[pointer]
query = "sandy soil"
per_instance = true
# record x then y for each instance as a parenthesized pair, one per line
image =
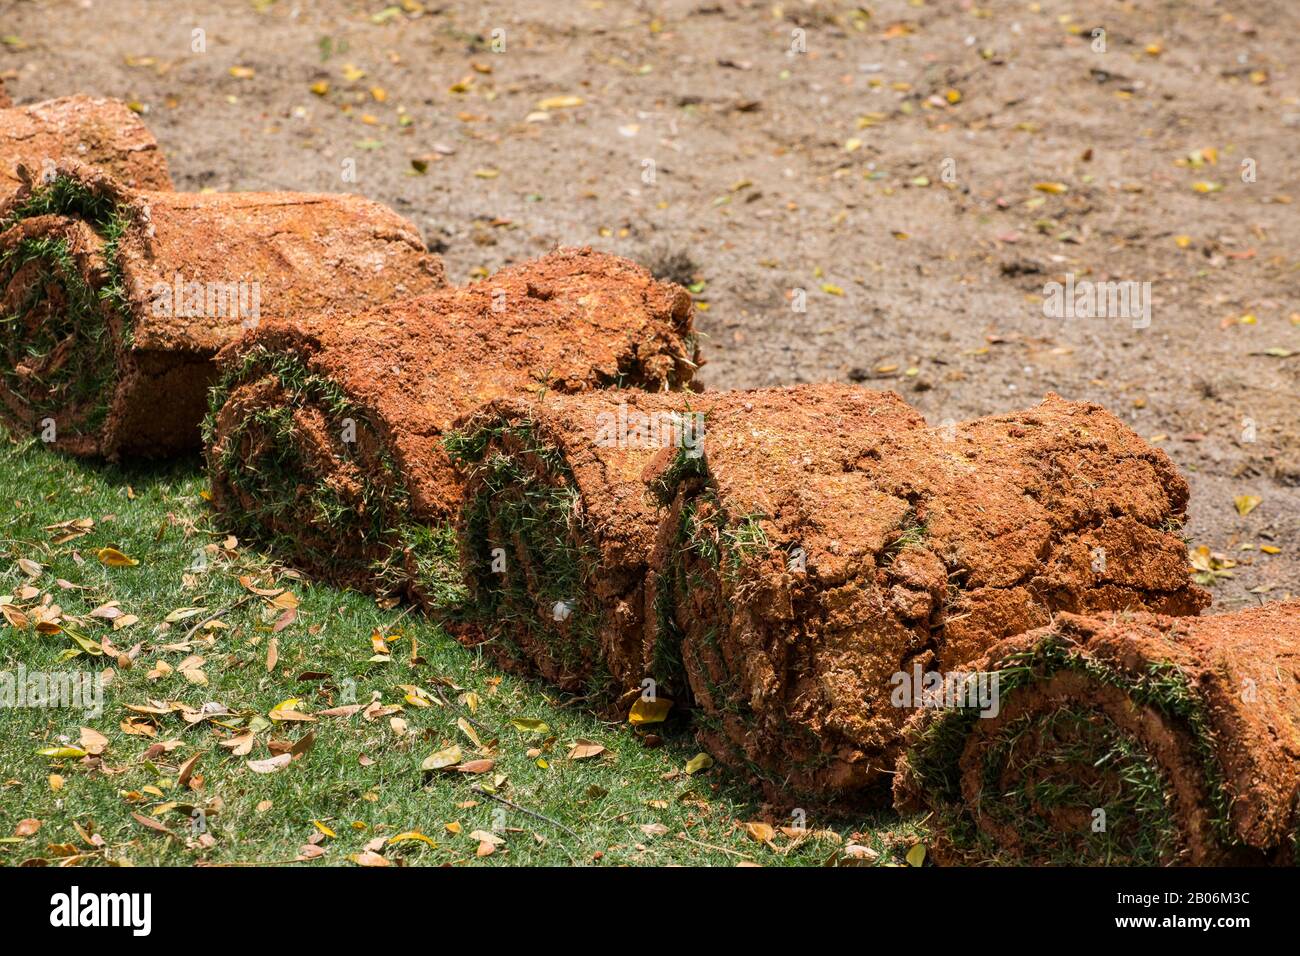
(889, 170)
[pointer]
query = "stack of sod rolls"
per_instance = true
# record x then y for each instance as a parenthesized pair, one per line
(325, 438)
(113, 301)
(99, 132)
(795, 549)
(1121, 739)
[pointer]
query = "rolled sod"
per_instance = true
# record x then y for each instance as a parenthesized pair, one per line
(100, 132)
(327, 438)
(114, 301)
(558, 527)
(828, 540)
(1127, 738)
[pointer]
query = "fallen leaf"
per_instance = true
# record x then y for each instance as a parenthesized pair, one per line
(761, 832)
(113, 558)
(649, 711)
(529, 725)
(92, 741)
(559, 102)
(1246, 503)
(442, 759)
(270, 764)
(585, 750)
(698, 763)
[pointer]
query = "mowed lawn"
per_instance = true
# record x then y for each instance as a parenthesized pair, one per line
(201, 708)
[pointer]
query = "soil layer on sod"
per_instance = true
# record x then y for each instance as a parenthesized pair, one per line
(326, 439)
(1127, 738)
(113, 301)
(827, 540)
(99, 132)
(557, 530)
(776, 557)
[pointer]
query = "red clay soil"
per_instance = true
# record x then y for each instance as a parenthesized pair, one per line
(596, 455)
(193, 271)
(5, 101)
(571, 321)
(832, 540)
(1225, 742)
(99, 132)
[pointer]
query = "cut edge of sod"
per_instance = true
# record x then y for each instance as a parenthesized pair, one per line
(370, 543)
(934, 752)
(79, 357)
(525, 554)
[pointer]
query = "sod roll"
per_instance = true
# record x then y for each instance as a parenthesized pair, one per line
(557, 530)
(114, 301)
(1127, 738)
(99, 132)
(326, 438)
(827, 541)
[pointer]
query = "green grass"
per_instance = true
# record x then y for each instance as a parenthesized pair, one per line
(604, 801)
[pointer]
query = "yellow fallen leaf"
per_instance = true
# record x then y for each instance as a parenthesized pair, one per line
(699, 763)
(411, 836)
(529, 725)
(113, 558)
(916, 855)
(324, 830)
(762, 832)
(649, 711)
(442, 759)
(242, 72)
(1247, 503)
(62, 753)
(1206, 187)
(559, 102)
(1270, 549)
(830, 289)
(1054, 188)
(320, 87)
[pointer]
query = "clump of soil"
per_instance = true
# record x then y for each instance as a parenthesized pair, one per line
(116, 300)
(557, 527)
(5, 101)
(99, 132)
(829, 540)
(1126, 738)
(326, 437)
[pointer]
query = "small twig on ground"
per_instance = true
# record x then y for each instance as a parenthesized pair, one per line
(524, 810)
(710, 846)
(221, 613)
(395, 621)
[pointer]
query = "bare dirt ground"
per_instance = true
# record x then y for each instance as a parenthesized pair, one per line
(917, 171)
